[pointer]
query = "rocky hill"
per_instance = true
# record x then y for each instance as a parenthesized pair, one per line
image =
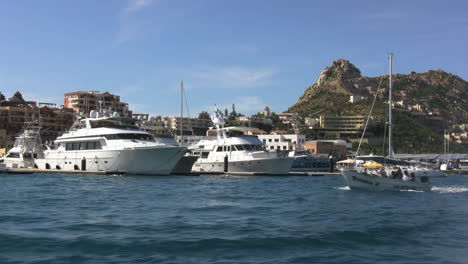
(434, 93)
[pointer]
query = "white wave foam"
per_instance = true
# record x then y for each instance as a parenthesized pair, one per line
(410, 191)
(344, 188)
(449, 189)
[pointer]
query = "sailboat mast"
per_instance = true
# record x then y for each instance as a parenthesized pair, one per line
(390, 148)
(181, 112)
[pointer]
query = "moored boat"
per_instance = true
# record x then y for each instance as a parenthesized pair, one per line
(106, 142)
(26, 149)
(237, 154)
(110, 143)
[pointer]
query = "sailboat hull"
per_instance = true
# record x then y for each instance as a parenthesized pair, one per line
(356, 180)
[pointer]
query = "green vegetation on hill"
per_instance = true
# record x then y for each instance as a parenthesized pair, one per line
(435, 93)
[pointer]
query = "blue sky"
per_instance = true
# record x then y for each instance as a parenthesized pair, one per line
(252, 53)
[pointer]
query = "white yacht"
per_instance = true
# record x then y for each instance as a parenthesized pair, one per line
(241, 155)
(109, 143)
(26, 149)
(184, 166)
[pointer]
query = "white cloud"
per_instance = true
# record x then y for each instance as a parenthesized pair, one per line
(385, 15)
(137, 5)
(139, 108)
(235, 77)
(127, 31)
(130, 24)
(249, 104)
(130, 90)
(240, 49)
(243, 104)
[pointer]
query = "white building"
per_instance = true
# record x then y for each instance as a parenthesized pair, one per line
(356, 98)
(289, 118)
(312, 122)
(196, 125)
(251, 121)
(283, 142)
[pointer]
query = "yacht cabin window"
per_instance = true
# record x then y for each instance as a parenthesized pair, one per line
(129, 136)
(109, 123)
(83, 145)
(239, 147)
(13, 155)
(246, 147)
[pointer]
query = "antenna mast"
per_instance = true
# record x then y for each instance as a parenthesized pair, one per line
(390, 148)
(181, 112)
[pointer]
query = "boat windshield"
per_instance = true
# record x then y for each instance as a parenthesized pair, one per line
(130, 136)
(109, 124)
(13, 155)
(247, 147)
(19, 142)
(383, 160)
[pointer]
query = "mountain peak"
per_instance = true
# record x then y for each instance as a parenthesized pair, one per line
(340, 69)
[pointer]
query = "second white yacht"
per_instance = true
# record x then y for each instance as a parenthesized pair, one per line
(241, 155)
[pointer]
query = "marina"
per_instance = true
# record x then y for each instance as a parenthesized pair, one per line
(233, 132)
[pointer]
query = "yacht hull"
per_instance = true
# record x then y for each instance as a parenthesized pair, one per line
(356, 180)
(147, 161)
(270, 166)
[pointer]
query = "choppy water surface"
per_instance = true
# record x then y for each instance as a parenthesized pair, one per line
(47, 218)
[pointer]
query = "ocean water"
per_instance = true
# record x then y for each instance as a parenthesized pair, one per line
(54, 218)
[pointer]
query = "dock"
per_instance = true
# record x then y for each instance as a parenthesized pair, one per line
(315, 173)
(30, 171)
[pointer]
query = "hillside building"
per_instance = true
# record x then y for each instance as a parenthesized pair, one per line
(196, 125)
(357, 98)
(267, 112)
(289, 118)
(16, 111)
(252, 121)
(341, 127)
(312, 122)
(82, 102)
(282, 141)
(323, 148)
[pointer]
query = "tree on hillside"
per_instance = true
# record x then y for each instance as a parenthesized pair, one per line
(204, 115)
(233, 115)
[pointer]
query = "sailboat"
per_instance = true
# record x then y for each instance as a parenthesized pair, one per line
(185, 164)
(385, 177)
